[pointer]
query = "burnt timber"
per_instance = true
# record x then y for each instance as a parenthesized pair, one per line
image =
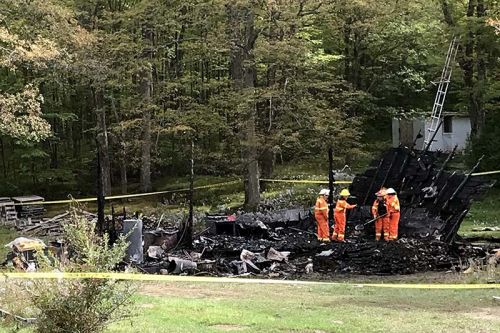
(283, 244)
(434, 201)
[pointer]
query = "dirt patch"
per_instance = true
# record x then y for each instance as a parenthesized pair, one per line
(215, 291)
(189, 291)
(229, 327)
(492, 314)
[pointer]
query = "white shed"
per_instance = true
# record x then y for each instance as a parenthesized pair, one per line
(454, 131)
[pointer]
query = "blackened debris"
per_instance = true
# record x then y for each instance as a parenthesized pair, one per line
(434, 201)
(405, 256)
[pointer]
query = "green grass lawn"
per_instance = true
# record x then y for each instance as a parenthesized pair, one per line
(6, 235)
(484, 213)
(199, 307)
(220, 307)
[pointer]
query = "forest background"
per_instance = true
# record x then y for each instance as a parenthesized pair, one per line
(252, 83)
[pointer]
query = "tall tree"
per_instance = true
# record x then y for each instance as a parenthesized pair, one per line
(467, 20)
(241, 25)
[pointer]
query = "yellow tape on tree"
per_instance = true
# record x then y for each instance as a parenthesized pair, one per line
(177, 278)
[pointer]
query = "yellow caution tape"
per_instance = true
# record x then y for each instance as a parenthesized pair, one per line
(178, 278)
(125, 196)
(485, 173)
(305, 181)
(137, 195)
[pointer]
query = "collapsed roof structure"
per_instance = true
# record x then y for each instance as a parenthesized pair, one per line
(434, 201)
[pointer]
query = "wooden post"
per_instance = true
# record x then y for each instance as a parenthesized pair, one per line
(189, 231)
(331, 180)
(186, 231)
(100, 193)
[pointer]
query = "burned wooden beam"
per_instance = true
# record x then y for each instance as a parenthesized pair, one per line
(433, 200)
(331, 180)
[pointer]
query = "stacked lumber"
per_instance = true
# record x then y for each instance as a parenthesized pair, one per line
(7, 210)
(27, 211)
(47, 227)
(53, 227)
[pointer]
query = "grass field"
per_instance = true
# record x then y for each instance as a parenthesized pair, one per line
(6, 236)
(254, 308)
(213, 307)
(484, 213)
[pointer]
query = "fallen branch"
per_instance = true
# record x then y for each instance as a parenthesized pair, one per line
(6, 313)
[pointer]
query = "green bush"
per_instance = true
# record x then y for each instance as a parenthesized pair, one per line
(80, 305)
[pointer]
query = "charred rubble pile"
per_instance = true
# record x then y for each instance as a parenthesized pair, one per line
(289, 249)
(433, 201)
(283, 243)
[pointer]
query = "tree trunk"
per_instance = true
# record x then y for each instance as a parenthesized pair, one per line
(267, 162)
(356, 55)
(146, 92)
(252, 188)
(100, 192)
(122, 153)
(123, 177)
(187, 227)
(243, 72)
(467, 65)
(467, 61)
(481, 73)
(347, 42)
(3, 159)
(102, 140)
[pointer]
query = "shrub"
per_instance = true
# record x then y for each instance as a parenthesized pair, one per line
(80, 305)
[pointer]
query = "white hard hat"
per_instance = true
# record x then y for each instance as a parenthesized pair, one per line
(324, 192)
(390, 190)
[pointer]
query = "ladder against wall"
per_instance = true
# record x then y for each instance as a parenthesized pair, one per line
(437, 108)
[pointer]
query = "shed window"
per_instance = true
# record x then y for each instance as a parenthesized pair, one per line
(448, 124)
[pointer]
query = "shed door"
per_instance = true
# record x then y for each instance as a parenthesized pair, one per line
(406, 132)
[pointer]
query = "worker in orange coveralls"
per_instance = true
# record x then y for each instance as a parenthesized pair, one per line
(380, 212)
(394, 213)
(321, 215)
(340, 216)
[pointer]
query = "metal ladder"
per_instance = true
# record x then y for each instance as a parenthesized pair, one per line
(443, 84)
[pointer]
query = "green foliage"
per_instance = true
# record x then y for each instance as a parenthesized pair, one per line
(326, 73)
(486, 145)
(89, 251)
(86, 305)
(21, 116)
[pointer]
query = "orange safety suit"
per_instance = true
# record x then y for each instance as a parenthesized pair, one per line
(321, 215)
(340, 219)
(379, 208)
(394, 214)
